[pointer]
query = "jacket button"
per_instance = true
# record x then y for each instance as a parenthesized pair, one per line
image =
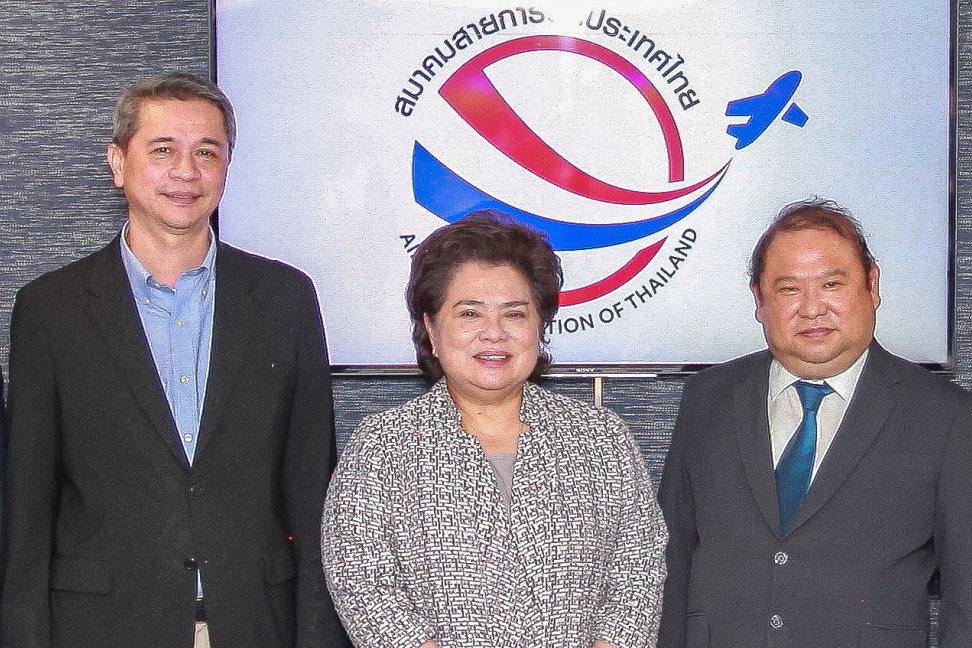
(776, 621)
(781, 558)
(196, 490)
(191, 563)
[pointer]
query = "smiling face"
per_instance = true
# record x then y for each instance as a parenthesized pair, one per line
(816, 302)
(173, 170)
(487, 333)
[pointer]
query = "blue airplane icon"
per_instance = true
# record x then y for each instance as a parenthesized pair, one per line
(764, 108)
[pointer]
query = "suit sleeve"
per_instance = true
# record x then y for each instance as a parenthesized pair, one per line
(953, 533)
(309, 461)
(3, 444)
(678, 505)
(633, 596)
(357, 551)
(30, 484)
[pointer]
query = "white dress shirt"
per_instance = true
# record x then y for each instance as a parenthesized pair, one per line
(786, 411)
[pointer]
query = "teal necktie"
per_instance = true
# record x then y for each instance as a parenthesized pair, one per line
(796, 465)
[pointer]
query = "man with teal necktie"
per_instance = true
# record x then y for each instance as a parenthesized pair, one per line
(813, 490)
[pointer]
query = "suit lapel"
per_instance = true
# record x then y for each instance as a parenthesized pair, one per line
(236, 316)
(866, 414)
(751, 424)
(112, 310)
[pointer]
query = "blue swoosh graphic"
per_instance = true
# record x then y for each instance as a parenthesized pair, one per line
(448, 196)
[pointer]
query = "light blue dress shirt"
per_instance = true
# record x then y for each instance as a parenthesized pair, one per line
(179, 326)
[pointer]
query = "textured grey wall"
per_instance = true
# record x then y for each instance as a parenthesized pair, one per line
(62, 64)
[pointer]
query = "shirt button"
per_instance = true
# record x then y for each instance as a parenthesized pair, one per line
(147, 300)
(178, 322)
(781, 558)
(187, 438)
(184, 380)
(205, 292)
(776, 621)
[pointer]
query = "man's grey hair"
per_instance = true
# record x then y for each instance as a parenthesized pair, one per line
(179, 86)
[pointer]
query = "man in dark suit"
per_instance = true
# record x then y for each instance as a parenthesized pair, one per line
(170, 424)
(812, 490)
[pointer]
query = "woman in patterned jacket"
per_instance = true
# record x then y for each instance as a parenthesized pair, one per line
(489, 512)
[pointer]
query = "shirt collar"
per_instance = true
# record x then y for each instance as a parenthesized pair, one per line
(843, 383)
(140, 279)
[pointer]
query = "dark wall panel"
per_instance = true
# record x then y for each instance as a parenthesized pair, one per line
(62, 66)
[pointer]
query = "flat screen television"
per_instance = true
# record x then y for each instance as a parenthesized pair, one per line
(652, 141)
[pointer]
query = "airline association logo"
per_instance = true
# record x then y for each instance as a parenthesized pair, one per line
(664, 86)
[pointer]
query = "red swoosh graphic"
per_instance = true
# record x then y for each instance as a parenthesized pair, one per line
(612, 281)
(476, 100)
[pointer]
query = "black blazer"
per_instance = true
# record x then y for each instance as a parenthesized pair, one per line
(890, 504)
(104, 521)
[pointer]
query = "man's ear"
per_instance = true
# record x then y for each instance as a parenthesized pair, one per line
(758, 297)
(116, 162)
(874, 285)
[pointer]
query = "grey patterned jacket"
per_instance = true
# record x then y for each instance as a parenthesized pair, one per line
(417, 544)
